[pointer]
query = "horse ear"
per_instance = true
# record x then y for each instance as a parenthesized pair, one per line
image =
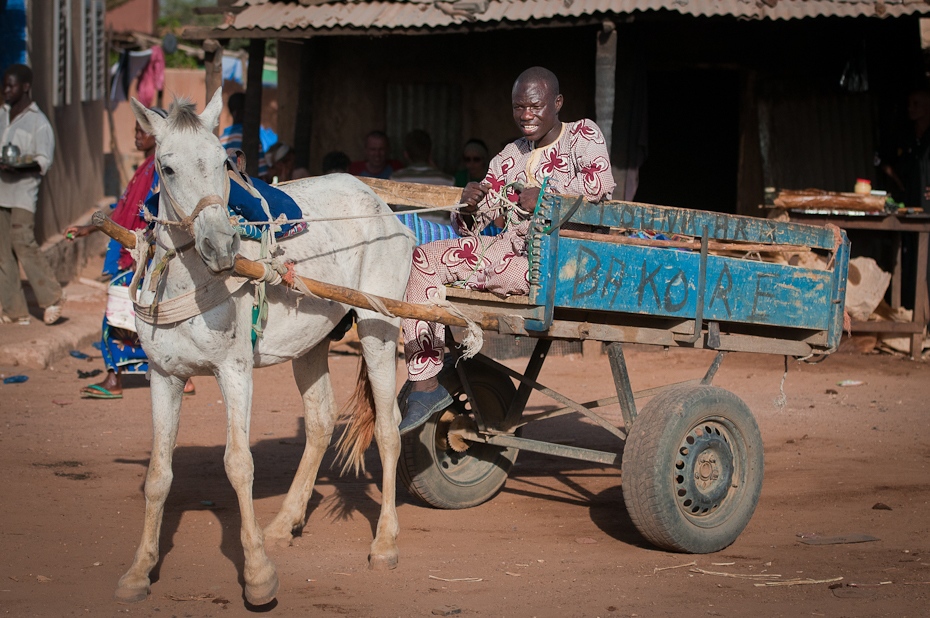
(150, 122)
(211, 113)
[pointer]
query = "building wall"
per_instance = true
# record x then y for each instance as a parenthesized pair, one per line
(74, 183)
(134, 16)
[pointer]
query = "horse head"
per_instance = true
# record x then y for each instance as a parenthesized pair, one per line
(192, 170)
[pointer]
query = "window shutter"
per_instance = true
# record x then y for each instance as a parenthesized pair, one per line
(93, 75)
(62, 49)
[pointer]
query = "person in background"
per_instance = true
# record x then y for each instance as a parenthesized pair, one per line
(563, 157)
(909, 169)
(280, 160)
(231, 138)
(336, 162)
(120, 346)
(24, 126)
(418, 151)
(376, 163)
(475, 157)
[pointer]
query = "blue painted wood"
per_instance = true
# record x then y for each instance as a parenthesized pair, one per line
(840, 274)
(663, 282)
(684, 221)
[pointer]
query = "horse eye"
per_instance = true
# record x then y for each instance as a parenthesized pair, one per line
(168, 171)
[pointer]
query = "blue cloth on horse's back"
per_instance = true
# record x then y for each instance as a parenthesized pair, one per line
(243, 203)
(427, 231)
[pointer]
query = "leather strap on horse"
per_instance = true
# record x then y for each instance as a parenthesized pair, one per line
(190, 304)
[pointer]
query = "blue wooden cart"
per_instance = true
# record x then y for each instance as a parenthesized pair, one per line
(692, 457)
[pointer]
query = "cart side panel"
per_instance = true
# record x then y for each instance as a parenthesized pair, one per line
(654, 281)
(670, 220)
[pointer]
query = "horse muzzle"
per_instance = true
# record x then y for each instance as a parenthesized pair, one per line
(216, 239)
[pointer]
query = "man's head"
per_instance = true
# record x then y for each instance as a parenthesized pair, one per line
(376, 150)
(418, 146)
(236, 105)
(536, 105)
(17, 84)
(335, 162)
(475, 157)
(918, 103)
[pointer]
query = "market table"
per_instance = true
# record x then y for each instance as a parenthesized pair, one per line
(895, 225)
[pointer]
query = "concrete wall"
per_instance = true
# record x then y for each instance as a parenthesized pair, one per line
(134, 16)
(73, 185)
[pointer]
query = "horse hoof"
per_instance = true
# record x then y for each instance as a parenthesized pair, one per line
(383, 563)
(262, 594)
(130, 595)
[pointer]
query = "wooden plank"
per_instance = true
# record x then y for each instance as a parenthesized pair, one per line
(683, 221)
(414, 194)
(694, 245)
(663, 282)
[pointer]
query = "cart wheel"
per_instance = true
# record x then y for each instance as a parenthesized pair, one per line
(692, 469)
(434, 472)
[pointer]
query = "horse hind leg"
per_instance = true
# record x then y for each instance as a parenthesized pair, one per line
(166, 392)
(261, 580)
(378, 336)
(311, 372)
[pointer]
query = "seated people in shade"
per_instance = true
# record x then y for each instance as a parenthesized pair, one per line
(418, 151)
(569, 157)
(119, 343)
(231, 138)
(376, 163)
(475, 160)
(336, 162)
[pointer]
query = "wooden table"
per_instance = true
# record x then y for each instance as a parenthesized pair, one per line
(896, 225)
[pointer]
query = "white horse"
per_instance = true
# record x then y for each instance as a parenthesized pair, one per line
(370, 254)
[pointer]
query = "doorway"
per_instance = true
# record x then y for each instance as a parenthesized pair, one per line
(693, 140)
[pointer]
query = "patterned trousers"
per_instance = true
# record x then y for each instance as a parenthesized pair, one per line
(488, 264)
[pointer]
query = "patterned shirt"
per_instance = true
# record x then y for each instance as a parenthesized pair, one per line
(576, 163)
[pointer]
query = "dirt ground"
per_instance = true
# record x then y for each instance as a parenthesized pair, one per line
(557, 541)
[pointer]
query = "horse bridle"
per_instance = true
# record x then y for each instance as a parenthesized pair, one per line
(205, 202)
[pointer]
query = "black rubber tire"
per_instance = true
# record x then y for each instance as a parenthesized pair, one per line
(443, 478)
(682, 431)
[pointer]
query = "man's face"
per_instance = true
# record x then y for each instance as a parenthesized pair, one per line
(13, 91)
(918, 106)
(476, 162)
(376, 151)
(144, 141)
(536, 111)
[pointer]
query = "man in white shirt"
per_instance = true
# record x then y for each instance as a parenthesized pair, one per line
(24, 126)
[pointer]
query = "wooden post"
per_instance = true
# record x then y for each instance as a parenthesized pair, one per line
(605, 75)
(252, 117)
(213, 63)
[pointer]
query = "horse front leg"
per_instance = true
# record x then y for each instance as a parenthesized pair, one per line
(261, 580)
(379, 347)
(311, 371)
(166, 391)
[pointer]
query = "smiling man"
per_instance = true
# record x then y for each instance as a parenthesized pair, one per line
(569, 157)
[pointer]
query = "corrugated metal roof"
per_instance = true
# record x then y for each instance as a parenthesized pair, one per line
(375, 16)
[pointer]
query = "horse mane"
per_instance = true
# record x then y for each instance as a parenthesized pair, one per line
(183, 116)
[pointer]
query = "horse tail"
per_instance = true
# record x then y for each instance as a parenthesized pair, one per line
(359, 417)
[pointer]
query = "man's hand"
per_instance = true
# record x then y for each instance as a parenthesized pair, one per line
(79, 231)
(472, 194)
(528, 198)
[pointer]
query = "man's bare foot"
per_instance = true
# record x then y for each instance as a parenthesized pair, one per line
(189, 387)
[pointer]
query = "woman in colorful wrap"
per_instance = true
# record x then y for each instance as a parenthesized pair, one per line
(119, 343)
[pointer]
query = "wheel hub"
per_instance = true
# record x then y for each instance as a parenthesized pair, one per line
(703, 470)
